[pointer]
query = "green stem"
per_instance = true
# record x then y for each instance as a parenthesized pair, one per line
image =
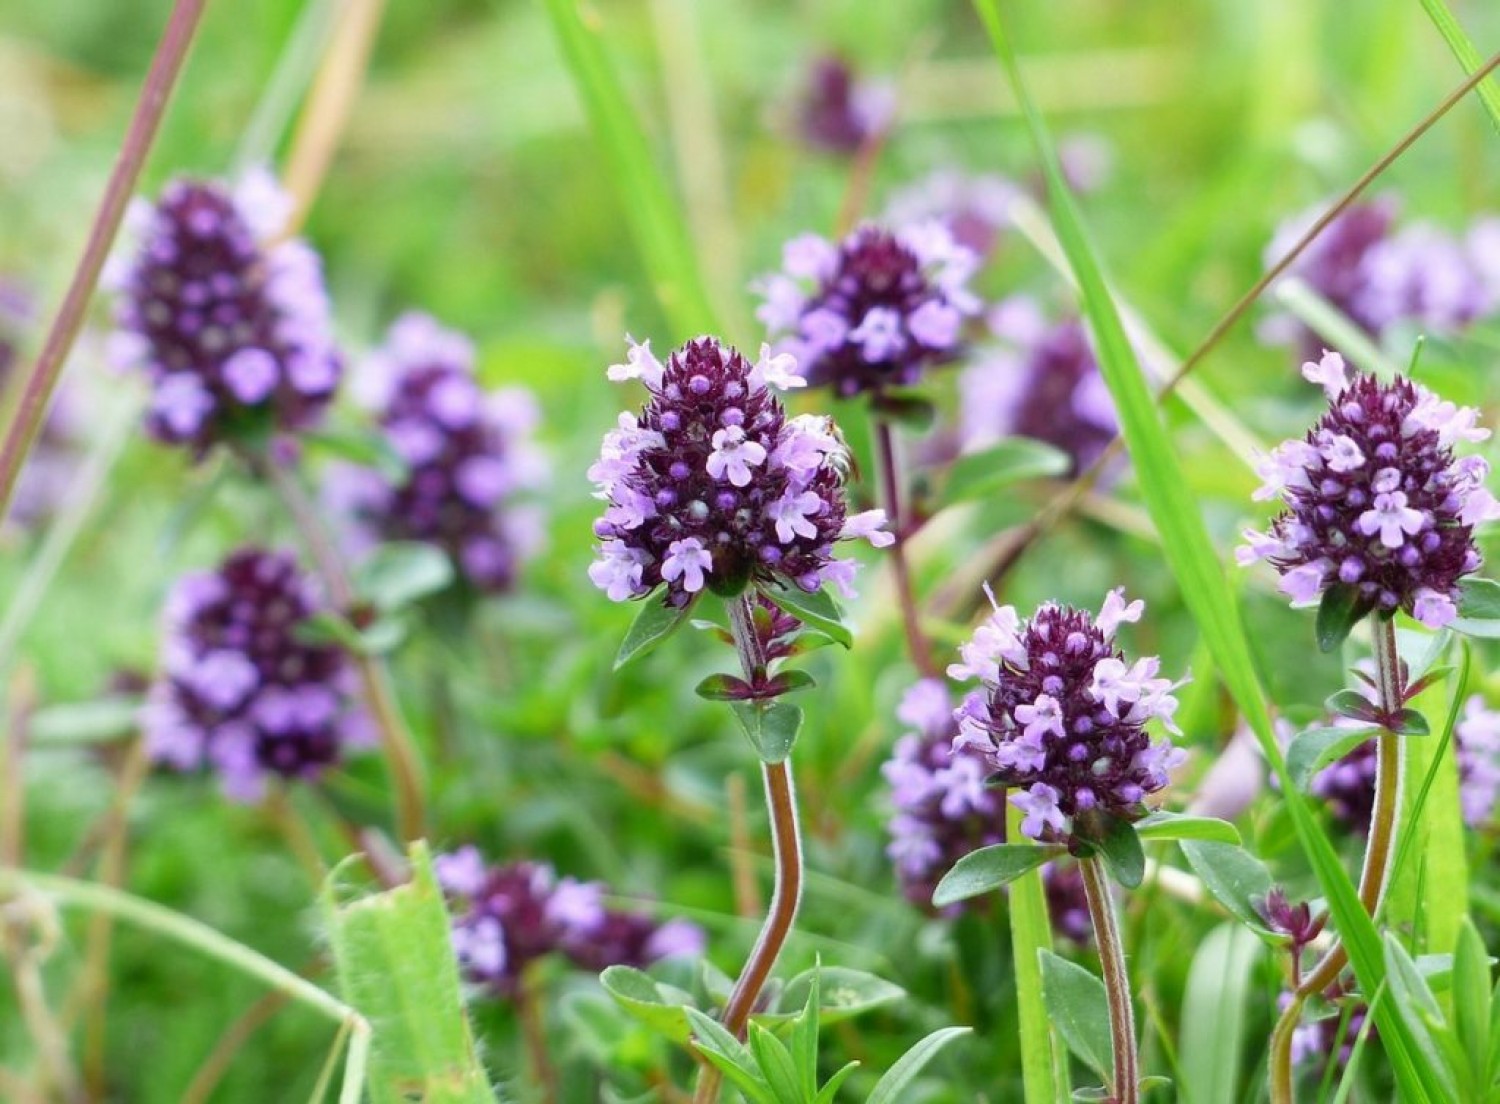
(1126, 1087)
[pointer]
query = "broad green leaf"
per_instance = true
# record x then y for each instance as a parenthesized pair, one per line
(1080, 1011)
(890, 1088)
(1338, 613)
(1163, 825)
(659, 1007)
(1191, 558)
(650, 208)
(1237, 879)
(1463, 49)
(394, 960)
(989, 868)
(1472, 1000)
(654, 623)
(398, 574)
(771, 727)
(1312, 750)
(816, 609)
(843, 992)
(978, 475)
(1044, 1064)
(1212, 1041)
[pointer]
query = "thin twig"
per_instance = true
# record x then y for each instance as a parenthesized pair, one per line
(530, 1011)
(229, 1044)
(26, 423)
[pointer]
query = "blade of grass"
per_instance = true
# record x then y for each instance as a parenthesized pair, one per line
(1190, 555)
(1213, 1015)
(650, 208)
(1453, 34)
(1044, 1066)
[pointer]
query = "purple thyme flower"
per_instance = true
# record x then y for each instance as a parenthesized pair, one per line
(230, 324)
(1043, 382)
(943, 810)
(974, 208)
(239, 692)
(838, 112)
(1068, 902)
(506, 917)
(1061, 716)
(1375, 499)
(714, 485)
(1317, 1041)
(874, 311)
(468, 455)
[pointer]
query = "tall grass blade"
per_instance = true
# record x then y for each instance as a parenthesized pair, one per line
(1044, 1065)
(1458, 41)
(1212, 1041)
(1190, 555)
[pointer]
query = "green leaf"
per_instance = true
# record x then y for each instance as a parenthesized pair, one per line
(1463, 49)
(1472, 1007)
(989, 868)
(771, 727)
(1417, 1007)
(1339, 611)
(1080, 1011)
(381, 638)
(1162, 825)
(1237, 879)
(1409, 722)
(843, 993)
(730, 1056)
(395, 963)
(398, 574)
(104, 720)
(1478, 608)
(915, 412)
(364, 447)
(722, 687)
(805, 1038)
(1313, 749)
(1352, 704)
(978, 475)
(1117, 844)
(815, 609)
(661, 1008)
(889, 1089)
(1044, 1063)
(654, 623)
(1190, 556)
(776, 1066)
(830, 1090)
(1212, 1040)
(651, 210)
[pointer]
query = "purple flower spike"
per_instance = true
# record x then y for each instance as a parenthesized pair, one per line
(1042, 382)
(1061, 717)
(468, 454)
(230, 324)
(874, 311)
(506, 917)
(713, 485)
(840, 113)
(239, 693)
(943, 810)
(1375, 499)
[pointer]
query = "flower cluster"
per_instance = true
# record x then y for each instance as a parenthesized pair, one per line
(230, 324)
(713, 485)
(506, 917)
(1061, 716)
(1375, 499)
(1348, 785)
(873, 311)
(976, 209)
(239, 692)
(467, 455)
(838, 112)
(943, 810)
(1042, 381)
(1379, 276)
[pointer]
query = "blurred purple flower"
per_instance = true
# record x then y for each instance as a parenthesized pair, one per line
(713, 485)
(239, 692)
(468, 456)
(838, 112)
(1061, 716)
(229, 321)
(1042, 381)
(506, 917)
(1375, 498)
(974, 208)
(53, 457)
(1068, 902)
(875, 310)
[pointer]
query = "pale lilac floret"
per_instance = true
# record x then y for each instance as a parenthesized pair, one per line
(1039, 804)
(687, 560)
(1477, 738)
(733, 456)
(868, 525)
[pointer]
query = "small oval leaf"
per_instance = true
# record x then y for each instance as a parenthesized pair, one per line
(1339, 611)
(989, 868)
(1079, 1009)
(398, 574)
(816, 609)
(654, 623)
(1312, 750)
(1162, 825)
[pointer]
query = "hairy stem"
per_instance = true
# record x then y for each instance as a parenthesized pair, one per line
(400, 752)
(534, 1032)
(26, 423)
(890, 493)
(1379, 848)
(1116, 982)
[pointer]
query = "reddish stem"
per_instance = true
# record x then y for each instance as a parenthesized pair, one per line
(890, 491)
